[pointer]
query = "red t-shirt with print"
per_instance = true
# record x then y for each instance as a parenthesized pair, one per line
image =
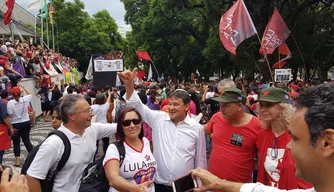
(277, 167)
(233, 148)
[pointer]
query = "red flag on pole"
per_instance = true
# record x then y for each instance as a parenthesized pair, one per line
(8, 14)
(235, 26)
(143, 56)
(283, 49)
(275, 34)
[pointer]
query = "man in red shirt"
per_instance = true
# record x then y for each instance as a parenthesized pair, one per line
(234, 136)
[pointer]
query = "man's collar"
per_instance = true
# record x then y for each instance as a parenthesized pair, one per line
(187, 119)
(67, 132)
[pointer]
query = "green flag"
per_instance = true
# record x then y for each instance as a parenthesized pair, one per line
(44, 11)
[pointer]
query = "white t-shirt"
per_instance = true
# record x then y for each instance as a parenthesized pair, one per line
(82, 152)
(19, 110)
(137, 167)
(101, 112)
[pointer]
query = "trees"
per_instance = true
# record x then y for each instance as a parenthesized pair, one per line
(81, 35)
(182, 35)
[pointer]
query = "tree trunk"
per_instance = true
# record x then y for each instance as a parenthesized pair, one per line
(323, 73)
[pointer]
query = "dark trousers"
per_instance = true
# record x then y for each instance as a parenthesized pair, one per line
(105, 144)
(163, 188)
(24, 133)
(1, 156)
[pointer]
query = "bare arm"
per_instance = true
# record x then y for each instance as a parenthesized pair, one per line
(26, 90)
(116, 181)
(9, 124)
(33, 184)
(206, 130)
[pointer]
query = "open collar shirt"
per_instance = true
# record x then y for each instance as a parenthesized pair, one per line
(177, 148)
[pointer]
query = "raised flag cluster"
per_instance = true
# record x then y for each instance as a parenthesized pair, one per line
(236, 26)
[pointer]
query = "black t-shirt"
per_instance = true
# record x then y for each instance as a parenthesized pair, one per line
(214, 105)
(56, 95)
(29, 66)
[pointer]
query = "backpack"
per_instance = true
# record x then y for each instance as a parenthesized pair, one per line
(94, 178)
(47, 183)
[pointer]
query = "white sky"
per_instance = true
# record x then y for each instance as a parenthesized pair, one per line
(114, 7)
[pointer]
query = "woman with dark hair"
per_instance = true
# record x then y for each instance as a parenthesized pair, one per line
(18, 111)
(195, 107)
(139, 166)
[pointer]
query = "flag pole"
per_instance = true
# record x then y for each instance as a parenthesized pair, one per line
(35, 29)
(301, 55)
(53, 37)
(42, 32)
(266, 58)
(155, 69)
(47, 32)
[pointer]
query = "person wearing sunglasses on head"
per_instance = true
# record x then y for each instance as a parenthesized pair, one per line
(178, 140)
(137, 171)
(276, 166)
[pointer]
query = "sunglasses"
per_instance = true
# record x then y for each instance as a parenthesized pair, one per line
(128, 122)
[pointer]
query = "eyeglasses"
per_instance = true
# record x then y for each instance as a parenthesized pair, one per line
(128, 122)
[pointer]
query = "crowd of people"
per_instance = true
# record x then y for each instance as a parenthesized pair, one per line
(20, 59)
(277, 134)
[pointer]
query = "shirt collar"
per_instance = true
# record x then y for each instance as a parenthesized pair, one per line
(67, 132)
(187, 119)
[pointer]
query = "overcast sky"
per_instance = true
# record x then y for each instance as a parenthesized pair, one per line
(115, 8)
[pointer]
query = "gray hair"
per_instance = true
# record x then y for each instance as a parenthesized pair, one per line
(225, 83)
(68, 105)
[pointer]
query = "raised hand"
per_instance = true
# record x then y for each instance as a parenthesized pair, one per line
(128, 76)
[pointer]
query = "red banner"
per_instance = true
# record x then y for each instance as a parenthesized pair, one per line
(143, 56)
(235, 26)
(275, 34)
(283, 49)
(8, 14)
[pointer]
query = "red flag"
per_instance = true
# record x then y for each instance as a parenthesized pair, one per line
(8, 14)
(143, 56)
(275, 34)
(141, 74)
(283, 49)
(235, 26)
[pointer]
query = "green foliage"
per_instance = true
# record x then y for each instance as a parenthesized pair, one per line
(80, 36)
(182, 35)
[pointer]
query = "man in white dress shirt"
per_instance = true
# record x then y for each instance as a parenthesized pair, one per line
(76, 115)
(179, 142)
(312, 146)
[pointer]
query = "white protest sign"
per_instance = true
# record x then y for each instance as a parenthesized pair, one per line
(108, 65)
(283, 75)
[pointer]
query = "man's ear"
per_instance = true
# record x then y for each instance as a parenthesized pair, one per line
(328, 142)
(71, 116)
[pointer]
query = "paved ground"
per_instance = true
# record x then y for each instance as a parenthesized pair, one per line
(37, 134)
